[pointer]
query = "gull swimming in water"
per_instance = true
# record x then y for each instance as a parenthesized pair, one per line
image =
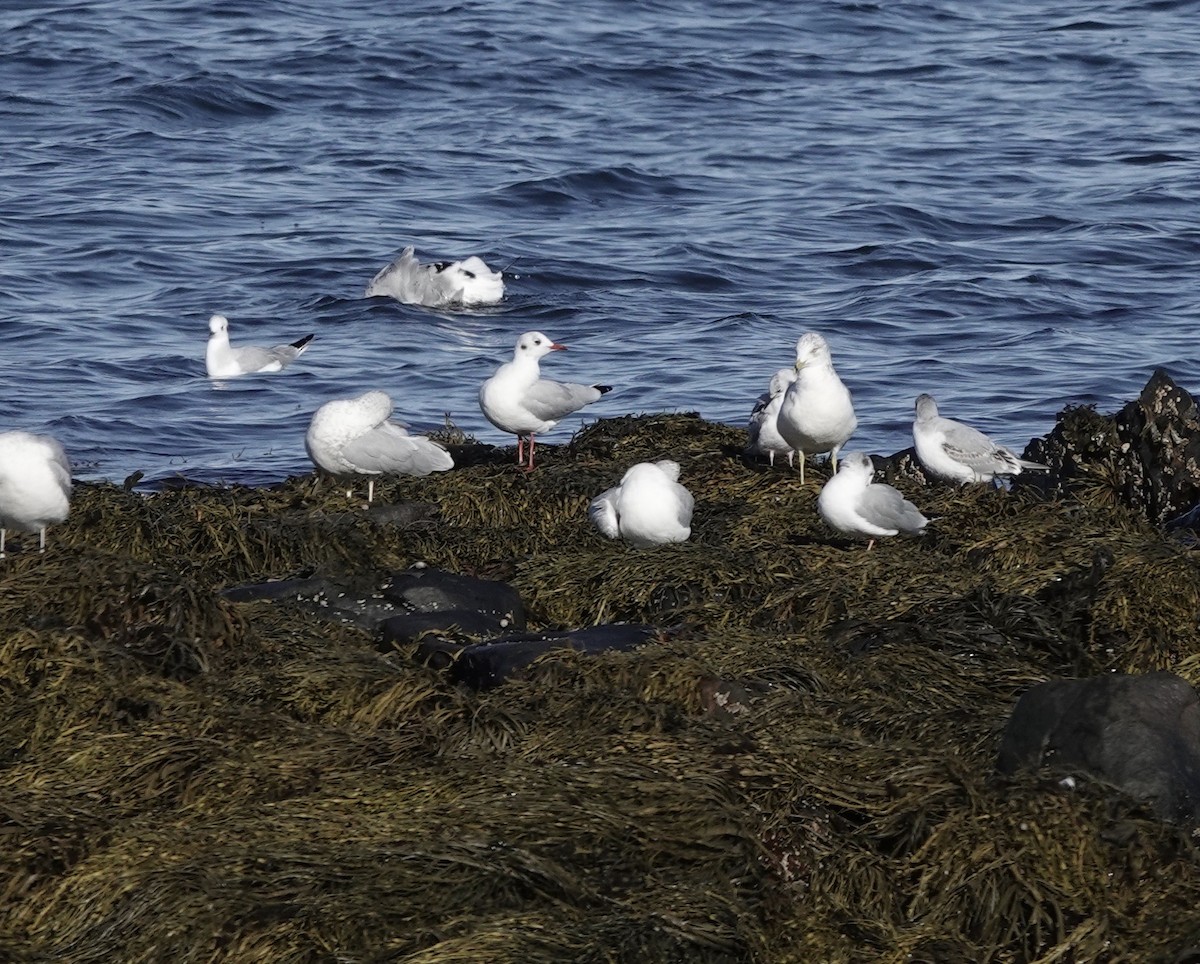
(958, 453)
(519, 401)
(817, 414)
(224, 361)
(439, 283)
(855, 506)
(649, 507)
(764, 429)
(352, 436)
(35, 484)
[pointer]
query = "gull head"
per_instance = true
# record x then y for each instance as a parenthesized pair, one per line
(535, 345)
(857, 462)
(218, 324)
(812, 349)
(780, 381)
(926, 406)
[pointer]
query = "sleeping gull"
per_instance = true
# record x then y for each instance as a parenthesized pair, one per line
(648, 507)
(817, 414)
(518, 401)
(352, 436)
(35, 484)
(958, 453)
(855, 506)
(439, 283)
(224, 361)
(764, 430)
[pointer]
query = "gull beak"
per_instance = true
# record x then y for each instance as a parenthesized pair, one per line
(558, 347)
(798, 366)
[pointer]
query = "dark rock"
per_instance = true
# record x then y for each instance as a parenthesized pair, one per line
(435, 590)
(400, 514)
(1148, 454)
(1139, 733)
(278, 589)
(405, 628)
(490, 663)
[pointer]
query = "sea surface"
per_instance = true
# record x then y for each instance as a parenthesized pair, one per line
(998, 203)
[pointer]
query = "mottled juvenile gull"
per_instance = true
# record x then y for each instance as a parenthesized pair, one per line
(958, 453)
(817, 414)
(352, 436)
(519, 401)
(439, 283)
(649, 507)
(224, 361)
(764, 429)
(35, 484)
(855, 506)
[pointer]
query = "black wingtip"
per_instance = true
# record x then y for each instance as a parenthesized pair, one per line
(298, 345)
(603, 389)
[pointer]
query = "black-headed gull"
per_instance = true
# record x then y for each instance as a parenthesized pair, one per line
(224, 361)
(764, 429)
(855, 506)
(352, 436)
(519, 401)
(817, 414)
(439, 283)
(958, 453)
(35, 484)
(648, 508)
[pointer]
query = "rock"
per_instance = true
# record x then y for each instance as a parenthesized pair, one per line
(435, 590)
(1139, 733)
(1148, 453)
(487, 664)
(406, 628)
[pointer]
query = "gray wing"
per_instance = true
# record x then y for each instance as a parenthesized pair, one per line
(251, 359)
(885, 507)
(550, 401)
(408, 281)
(976, 451)
(388, 448)
(602, 510)
(758, 417)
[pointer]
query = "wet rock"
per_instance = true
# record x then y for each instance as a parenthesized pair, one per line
(307, 588)
(487, 664)
(1139, 733)
(435, 590)
(406, 628)
(1147, 455)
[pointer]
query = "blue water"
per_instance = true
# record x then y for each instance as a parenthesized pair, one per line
(995, 202)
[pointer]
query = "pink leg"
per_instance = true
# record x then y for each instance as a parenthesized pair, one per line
(520, 449)
(530, 453)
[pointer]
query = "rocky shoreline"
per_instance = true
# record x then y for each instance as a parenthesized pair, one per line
(230, 733)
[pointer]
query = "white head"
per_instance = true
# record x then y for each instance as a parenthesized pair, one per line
(926, 406)
(478, 283)
(812, 349)
(218, 324)
(781, 380)
(535, 345)
(668, 468)
(857, 462)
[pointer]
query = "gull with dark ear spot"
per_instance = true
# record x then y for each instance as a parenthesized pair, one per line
(648, 508)
(764, 420)
(817, 414)
(857, 507)
(222, 360)
(35, 484)
(519, 401)
(353, 436)
(437, 284)
(956, 452)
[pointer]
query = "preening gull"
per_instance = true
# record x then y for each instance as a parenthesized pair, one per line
(649, 507)
(224, 361)
(817, 414)
(352, 436)
(519, 401)
(439, 283)
(764, 429)
(855, 506)
(958, 453)
(35, 484)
